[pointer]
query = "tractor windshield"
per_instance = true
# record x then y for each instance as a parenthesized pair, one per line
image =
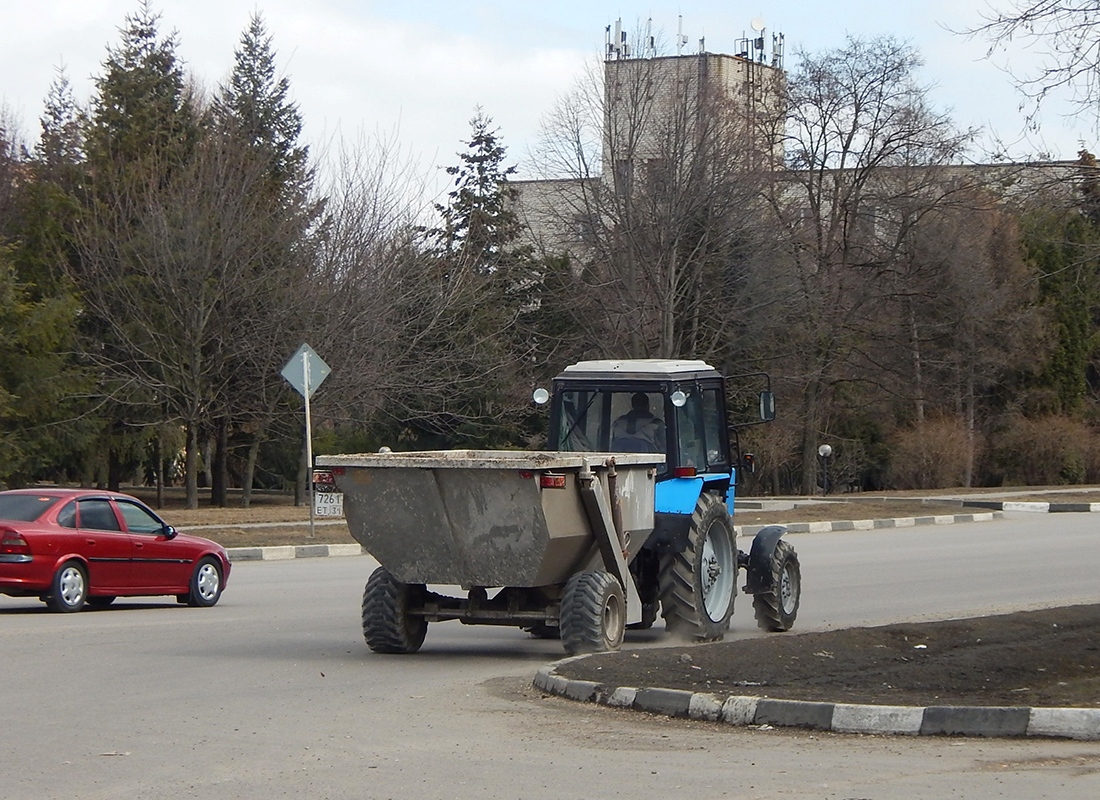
(639, 421)
(612, 422)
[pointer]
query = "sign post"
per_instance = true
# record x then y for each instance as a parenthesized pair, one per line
(306, 371)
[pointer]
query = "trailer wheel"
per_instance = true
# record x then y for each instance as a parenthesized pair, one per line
(388, 627)
(777, 608)
(698, 585)
(593, 613)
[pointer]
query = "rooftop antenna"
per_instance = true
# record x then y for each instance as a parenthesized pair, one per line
(681, 40)
(617, 48)
(650, 47)
(757, 25)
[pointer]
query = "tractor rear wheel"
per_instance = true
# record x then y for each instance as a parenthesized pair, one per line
(388, 627)
(698, 585)
(593, 613)
(777, 608)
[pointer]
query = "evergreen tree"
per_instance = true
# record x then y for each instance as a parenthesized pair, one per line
(141, 133)
(142, 111)
(471, 285)
(60, 148)
(479, 226)
(255, 105)
(253, 117)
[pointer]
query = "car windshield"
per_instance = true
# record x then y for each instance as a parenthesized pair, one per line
(24, 507)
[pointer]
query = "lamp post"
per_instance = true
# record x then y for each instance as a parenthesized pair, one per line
(825, 451)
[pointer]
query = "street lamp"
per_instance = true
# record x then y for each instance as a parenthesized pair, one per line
(825, 451)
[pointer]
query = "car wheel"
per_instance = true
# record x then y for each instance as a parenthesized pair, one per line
(69, 588)
(206, 583)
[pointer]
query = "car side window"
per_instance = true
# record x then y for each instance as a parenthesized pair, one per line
(98, 515)
(139, 520)
(66, 517)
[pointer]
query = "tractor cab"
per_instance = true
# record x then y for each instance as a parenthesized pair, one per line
(674, 407)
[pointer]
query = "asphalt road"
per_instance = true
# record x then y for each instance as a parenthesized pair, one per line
(273, 694)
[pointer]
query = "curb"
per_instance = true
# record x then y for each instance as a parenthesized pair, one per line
(997, 509)
(875, 524)
(765, 713)
(1034, 507)
(287, 552)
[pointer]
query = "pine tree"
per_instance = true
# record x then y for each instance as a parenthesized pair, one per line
(142, 110)
(253, 117)
(61, 146)
(479, 227)
(255, 106)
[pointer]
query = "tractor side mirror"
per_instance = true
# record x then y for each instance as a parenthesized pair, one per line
(767, 406)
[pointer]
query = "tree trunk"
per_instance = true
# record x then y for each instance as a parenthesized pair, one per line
(250, 468)
(301, 488)
(219, 465)
(809, 439)
(191, 466)
(159, 469)
(114, 470)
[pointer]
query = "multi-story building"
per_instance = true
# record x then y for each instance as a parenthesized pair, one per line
(660, 121)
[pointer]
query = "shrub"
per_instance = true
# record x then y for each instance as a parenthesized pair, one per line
(1050, 450)
(933, 455)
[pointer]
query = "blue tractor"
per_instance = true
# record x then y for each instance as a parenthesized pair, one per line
(687, 571)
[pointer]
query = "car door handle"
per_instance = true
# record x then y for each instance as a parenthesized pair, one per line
(90, 541)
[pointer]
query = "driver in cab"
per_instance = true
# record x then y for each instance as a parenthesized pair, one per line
(639, 430)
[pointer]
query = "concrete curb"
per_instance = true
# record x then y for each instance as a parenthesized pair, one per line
(286, 552)
(996, 511)
(765, 713)
(1034, 507)
(876, 524)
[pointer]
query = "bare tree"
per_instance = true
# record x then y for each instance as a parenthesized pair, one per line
(866, 161)
(659, 165)
(1065, 34)
(167, 269)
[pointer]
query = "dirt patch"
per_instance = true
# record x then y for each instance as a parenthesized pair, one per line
(1036, 658)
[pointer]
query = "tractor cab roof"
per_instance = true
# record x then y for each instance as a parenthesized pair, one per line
(642, 369)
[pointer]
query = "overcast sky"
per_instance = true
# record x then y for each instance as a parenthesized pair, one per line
(418, 69)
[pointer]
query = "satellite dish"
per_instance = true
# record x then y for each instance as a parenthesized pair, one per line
(757, 24)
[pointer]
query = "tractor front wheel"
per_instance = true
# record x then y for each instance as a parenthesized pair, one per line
(777, 608)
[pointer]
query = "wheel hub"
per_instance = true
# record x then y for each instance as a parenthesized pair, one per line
(71, 586)
(716, 576)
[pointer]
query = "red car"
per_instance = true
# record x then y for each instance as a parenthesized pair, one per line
(71, 547)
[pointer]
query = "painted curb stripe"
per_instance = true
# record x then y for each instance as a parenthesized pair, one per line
(990, 721)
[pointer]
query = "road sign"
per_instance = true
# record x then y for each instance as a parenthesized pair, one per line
(306, 362)
(305, 372)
